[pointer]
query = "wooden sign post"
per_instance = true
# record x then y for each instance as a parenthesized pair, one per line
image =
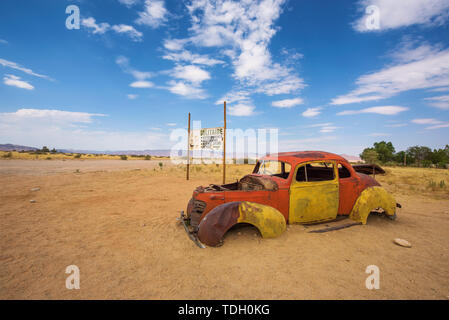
(207, 139)
(224, 144)
(188, 148)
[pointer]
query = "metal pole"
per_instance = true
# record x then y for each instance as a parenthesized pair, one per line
(224, 144)
(188, 149)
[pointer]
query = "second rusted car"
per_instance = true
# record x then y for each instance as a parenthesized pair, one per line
(295, 187)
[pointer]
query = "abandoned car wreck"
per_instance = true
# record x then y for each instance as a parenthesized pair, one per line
(294, 187)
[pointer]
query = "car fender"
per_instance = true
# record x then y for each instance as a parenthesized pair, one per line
(268, 220)
(370, 199)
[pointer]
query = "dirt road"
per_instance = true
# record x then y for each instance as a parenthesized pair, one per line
(119, 227)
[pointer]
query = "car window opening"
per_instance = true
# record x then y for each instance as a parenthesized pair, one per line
(343, 172)
(319, 171)
(273, 168)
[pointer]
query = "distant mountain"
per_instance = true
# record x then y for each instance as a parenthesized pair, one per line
(12, 147)
(351, 158)
(157, 153)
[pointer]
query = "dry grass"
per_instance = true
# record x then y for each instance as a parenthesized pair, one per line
(428, 182)
(66, 156)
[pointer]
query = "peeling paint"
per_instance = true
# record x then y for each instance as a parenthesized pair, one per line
(370, 199)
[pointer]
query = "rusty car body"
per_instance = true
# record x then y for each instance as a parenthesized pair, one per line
(294, 187)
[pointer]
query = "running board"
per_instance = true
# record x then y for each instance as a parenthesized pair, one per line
(346, 225)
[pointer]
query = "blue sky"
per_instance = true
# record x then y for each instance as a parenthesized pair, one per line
(324, 73)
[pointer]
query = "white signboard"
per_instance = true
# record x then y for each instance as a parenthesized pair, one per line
(207, 139)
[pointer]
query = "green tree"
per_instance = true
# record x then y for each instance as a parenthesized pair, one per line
(369, 155)
(399, 157)
(45, 149)
(440, 157)
(385, 151)
(419, 154)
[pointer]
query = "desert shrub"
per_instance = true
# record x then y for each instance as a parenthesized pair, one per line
(441, 165)
(432, 185)
(442, 184)
(147, 157)
(48, 158)
(161, 165)
(77, 156)
(7, 155)
(426, 163)
(123, 157)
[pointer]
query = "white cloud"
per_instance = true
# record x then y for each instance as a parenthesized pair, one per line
(319, 125)
(247, 28)
(441, 102)
(403, 13)
(426, 121)
(73, 130)
(96, 28)
(240, 109)
(132, 96)
(16, 66)
(287, 103)
(439, 126)
(12, 80)
(191, 73)
(239, 103)
(52, 116)
(123, 63)
(288, 84)
(2, 41)
(186, 89)
(428, 69)
(328, 129)
(104, 27)
(410, 50)
(140, 76)
(243, 31)
(189, 87)
(434, 123)
(189, 57)
(128, 3)
(311, 112)
(142, 84)
(175, 44)
(171, 124)
(154, 14)
(442, 89)
(396, 125)
(234, 96)
(384, 110)
(129, 30)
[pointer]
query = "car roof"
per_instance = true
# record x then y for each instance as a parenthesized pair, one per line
(303, 156)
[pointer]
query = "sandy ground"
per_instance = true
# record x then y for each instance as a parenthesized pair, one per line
(118, 225)
(44, 167)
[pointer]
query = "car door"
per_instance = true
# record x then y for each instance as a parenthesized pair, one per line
(314, 192)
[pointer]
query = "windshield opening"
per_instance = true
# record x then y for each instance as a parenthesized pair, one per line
(273, 168)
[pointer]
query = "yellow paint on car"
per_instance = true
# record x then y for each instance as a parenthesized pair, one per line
(370, 199)
(313, 201)
(270, 222)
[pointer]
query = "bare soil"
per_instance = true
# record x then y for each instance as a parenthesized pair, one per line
(116, 220)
